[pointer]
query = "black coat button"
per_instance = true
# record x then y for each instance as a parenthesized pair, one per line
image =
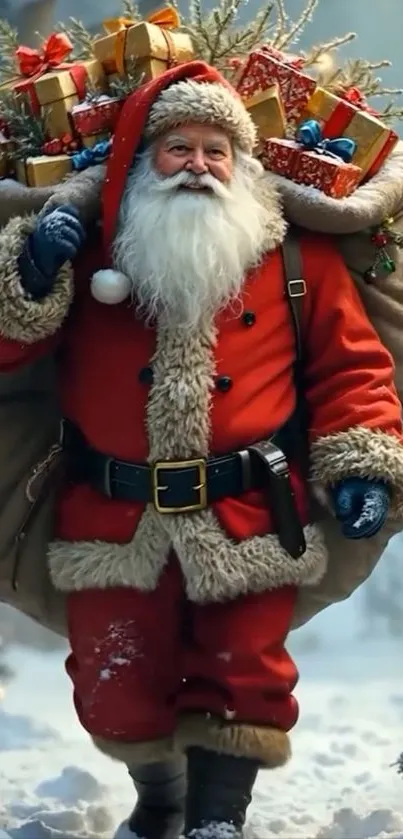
(224, 383)
(146, 376)
(249, 318)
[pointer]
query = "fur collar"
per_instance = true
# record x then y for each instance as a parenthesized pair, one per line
(269, 196)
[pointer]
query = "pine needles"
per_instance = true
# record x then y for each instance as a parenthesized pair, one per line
(79, 36)
(130, 10)
(360, 73)
(123, 86)
(8, 46)
(25, 129)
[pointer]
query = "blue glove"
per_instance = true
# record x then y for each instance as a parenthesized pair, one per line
(57, 238)
(361, 505)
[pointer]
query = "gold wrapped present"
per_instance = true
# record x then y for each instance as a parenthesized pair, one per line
(57, 93)
(43, 170)
(343, 117)
(152, 44)
(267, 111)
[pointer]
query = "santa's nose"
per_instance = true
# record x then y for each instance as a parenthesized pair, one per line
(197, 163)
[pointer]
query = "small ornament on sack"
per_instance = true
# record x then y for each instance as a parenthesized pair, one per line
(381, 237)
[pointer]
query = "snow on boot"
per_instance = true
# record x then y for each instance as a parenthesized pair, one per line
(216, 830)
(219, 793)
(160, 809)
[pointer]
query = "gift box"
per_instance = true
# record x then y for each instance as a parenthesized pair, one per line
(264, 68)
(323, 171)
(152, 44)
(267, 112)
(97, 117)
(52, 85)
(57, 93)
(43, 170)
(375, 141)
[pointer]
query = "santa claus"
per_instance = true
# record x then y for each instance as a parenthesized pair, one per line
(184, 528)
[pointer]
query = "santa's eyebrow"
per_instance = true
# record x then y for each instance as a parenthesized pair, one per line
(177, 138)
(211, 143)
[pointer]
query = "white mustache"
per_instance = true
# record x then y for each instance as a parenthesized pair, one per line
(183, 178)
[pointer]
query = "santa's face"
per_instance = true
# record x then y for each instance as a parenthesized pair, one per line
(190, 225)
(199, 149)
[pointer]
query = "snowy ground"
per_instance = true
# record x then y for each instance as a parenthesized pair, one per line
(339, 785)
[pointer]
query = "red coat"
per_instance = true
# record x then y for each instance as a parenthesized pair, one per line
(349, 389)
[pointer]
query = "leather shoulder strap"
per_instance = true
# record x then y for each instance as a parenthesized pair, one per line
(295, 290)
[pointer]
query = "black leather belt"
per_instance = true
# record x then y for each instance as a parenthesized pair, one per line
(192, 485)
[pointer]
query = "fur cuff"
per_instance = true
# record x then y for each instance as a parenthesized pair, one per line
(22, 319)
(147, 751)
(270, 746)
(363, 453)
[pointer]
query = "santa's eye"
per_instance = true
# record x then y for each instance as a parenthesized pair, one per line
(218, 154)
(179, 148)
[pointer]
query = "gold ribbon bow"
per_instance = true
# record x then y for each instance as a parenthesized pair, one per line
(167, 18)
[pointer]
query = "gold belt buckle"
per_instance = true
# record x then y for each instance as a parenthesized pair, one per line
(201, 486)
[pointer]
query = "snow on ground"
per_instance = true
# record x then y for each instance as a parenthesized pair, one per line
(340, 784)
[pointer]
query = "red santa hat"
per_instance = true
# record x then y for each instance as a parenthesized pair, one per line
(192, 92)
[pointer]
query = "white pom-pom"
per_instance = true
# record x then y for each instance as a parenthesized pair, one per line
(110, 287)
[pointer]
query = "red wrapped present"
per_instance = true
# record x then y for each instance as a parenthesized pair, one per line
(66, 144)
(264, 68)
(316, 168)
(98, 117)
(350, 115)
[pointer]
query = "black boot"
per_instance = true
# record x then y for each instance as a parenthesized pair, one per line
(160, 809)
(219, 793)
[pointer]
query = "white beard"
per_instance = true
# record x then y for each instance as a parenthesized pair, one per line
(186, 252)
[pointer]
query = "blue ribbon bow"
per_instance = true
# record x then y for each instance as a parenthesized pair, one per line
(91, 157)
(310, 136)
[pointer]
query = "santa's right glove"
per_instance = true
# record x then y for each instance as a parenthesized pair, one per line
(56, 239)
(361, 505)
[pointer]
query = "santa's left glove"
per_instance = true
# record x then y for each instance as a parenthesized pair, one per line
(361, 506)
(57, 238)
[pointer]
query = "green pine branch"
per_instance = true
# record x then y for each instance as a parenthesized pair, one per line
(125, 85)
(131, 10)
(82, 40)
(26, 131)
(8, 46)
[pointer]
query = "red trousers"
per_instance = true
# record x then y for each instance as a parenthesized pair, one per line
(138, 659)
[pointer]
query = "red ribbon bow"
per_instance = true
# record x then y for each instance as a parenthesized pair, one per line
(52, 54)
(355, 96)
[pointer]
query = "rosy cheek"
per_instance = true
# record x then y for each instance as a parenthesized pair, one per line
(165, 164)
